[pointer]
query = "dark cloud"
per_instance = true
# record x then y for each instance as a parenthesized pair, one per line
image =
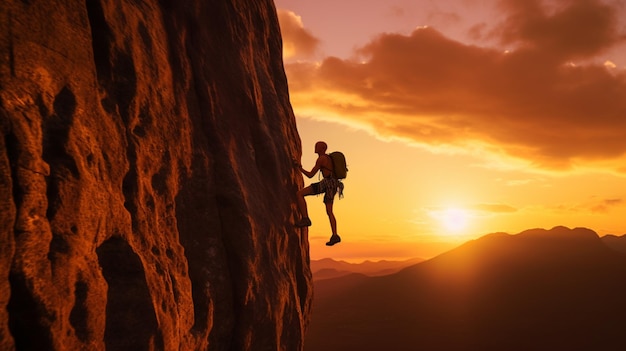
(530, 102)
(574, 29)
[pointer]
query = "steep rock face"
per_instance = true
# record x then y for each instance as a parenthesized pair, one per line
(146, 182)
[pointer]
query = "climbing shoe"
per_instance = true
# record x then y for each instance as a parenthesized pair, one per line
(333, 240)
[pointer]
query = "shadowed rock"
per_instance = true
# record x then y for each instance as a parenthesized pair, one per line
(146, 183)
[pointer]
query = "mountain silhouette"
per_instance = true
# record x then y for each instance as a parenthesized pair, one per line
(615, 242)
(327, 268)
(558, 289)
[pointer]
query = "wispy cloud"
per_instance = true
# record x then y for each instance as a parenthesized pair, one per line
(472, 210)
(518, 182)
(592, 206)
(528, 103)
(606, 205)
(494, 208)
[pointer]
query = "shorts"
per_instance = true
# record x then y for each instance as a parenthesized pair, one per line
(326, 186)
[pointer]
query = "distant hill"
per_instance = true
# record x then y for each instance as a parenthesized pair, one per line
(615, 242)
(558, 289)
(328, 268)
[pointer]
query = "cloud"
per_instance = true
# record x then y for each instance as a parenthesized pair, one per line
(594, 206)
(581, 29)
(528, 103)
(297, 41)
(606, 205)
(516, 182)
(494, 208)
(473, 210)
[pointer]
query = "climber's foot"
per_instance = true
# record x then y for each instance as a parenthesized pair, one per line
(333, 240)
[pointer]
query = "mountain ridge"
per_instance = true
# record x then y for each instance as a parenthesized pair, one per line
(328, 268)
(539, 289)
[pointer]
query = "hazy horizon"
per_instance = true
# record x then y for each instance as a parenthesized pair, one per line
(453, 246)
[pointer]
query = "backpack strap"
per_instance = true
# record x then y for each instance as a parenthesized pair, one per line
(332, 171)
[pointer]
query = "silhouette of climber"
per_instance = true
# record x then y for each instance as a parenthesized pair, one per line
(329, 186)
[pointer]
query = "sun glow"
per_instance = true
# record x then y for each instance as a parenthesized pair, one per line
(453, 220)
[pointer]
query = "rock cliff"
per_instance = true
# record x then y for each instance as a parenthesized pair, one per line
(146, 183)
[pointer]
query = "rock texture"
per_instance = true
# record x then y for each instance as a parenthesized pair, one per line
(146, 181)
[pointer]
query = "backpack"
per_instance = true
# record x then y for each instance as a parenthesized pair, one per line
(340, 170)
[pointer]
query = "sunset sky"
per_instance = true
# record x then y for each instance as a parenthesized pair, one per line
(460, 118)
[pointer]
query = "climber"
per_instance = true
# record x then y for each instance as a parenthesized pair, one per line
(329, 186)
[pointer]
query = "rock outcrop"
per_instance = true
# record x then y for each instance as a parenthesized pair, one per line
(146, 182)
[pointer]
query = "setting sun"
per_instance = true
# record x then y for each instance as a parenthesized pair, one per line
(452, 220)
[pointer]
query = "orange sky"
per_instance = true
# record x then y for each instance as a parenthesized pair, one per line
(460, 118)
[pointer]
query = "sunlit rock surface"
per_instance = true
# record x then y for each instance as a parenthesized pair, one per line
(146, 181)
